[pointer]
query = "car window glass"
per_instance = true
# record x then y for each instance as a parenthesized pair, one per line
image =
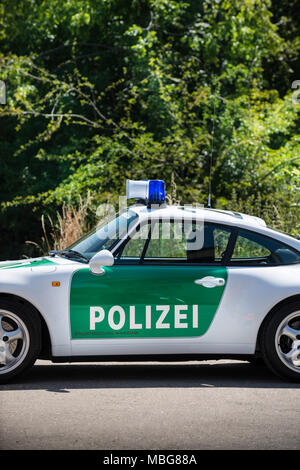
(106, 235)
(134, 248)
(186, 242)
(221, 239)
(255, 249)
(245, 248)
(168, 241)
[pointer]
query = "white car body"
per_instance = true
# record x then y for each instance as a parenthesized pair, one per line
(250, 294)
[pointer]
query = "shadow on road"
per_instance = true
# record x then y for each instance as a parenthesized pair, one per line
(62, 378)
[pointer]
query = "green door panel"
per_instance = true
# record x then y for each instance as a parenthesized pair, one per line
(143, 301)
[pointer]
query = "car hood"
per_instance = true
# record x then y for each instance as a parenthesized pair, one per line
(26, 263)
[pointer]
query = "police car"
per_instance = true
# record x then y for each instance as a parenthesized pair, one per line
(157, 282)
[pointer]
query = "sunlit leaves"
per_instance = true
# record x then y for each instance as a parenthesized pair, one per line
(100, 91)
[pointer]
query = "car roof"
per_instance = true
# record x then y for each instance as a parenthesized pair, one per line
(198, 212)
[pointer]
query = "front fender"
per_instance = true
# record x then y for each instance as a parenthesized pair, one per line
(35, 286)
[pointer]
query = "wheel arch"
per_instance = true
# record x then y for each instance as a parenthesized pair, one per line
(288, 300)
(45, 352)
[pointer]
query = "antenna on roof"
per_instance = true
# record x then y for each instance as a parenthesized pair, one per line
(211, 158)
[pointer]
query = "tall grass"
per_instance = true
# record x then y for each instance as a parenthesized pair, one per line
(70, 224)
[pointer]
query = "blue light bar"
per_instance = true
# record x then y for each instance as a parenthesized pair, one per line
(156, 194)
(149, 191)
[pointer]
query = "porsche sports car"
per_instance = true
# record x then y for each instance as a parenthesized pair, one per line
(157, 282)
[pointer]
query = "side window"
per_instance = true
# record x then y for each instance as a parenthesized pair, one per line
(246, 248)
(132, 251)
(254, 249)
(168, 242)
(221, 239)
(186, 242)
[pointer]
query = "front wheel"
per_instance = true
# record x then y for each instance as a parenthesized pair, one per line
(280, 342)
(19, 339)
(257, 361)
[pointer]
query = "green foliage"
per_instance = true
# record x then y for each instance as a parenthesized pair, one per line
(277, 211)
(99, 91)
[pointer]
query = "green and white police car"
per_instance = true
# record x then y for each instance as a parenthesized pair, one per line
(157, 282)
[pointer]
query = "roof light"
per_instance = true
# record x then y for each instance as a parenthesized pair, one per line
(150, 191)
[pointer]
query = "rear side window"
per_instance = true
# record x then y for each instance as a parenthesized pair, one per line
(252, 249)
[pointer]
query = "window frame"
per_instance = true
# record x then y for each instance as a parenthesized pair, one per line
(238, 230)
(151, 222)
(226, 261)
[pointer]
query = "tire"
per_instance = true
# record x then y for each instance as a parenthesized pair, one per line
(20, 339)
(280, 342)
(257, 361)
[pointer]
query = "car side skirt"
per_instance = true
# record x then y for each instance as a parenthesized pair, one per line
(152, 358)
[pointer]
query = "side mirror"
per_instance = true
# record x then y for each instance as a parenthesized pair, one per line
(100, 259)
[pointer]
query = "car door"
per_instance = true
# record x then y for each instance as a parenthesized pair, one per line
(166, 285)
(262, 272)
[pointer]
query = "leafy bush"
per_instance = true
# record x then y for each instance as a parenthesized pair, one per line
(101, 91)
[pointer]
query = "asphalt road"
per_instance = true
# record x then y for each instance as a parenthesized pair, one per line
(208, 405)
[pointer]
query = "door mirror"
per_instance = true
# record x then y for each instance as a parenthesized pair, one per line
(100, 259)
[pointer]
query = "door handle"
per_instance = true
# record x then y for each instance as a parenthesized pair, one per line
(210, 281)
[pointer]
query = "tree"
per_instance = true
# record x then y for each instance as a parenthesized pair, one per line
(103, 91)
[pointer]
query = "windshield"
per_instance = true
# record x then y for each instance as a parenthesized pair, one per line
(105, 235)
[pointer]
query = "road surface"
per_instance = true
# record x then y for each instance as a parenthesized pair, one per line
(204, 405)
